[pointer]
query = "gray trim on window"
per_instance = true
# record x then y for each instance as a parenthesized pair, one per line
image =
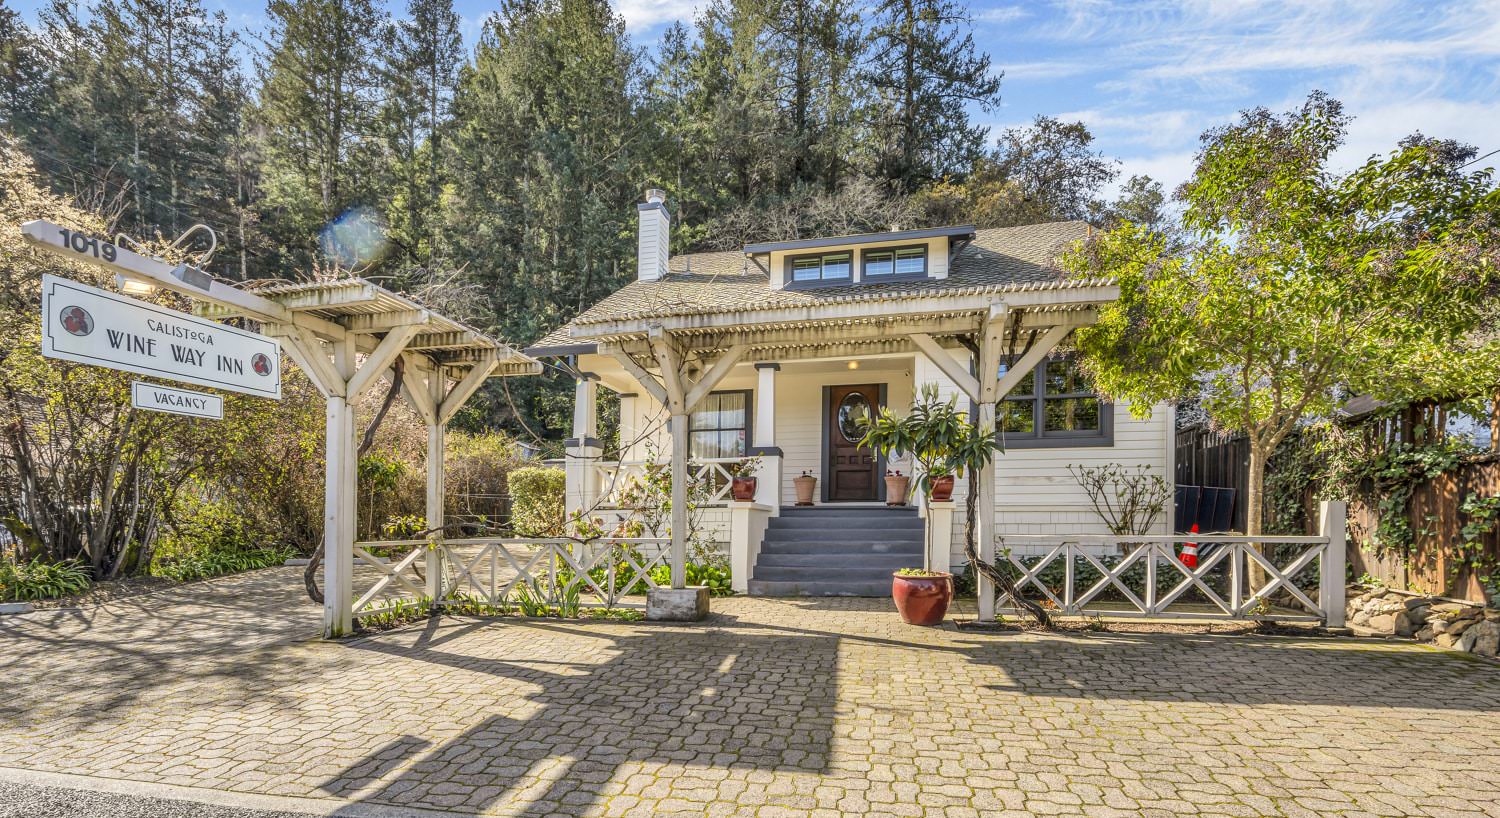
(792, 284)
(1039, 438)
(866, 278)
(749, 418)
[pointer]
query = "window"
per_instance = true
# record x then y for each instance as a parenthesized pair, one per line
(721, 427)
(830, 267)
(904, 261)
(1054, 405)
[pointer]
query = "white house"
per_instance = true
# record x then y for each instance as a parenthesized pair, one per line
(773, 350)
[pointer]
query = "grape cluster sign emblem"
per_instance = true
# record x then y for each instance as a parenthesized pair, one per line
(77, 321)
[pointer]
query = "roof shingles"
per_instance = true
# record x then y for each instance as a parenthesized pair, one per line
(706, 283)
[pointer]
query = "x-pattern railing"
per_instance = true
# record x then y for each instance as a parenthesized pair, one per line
(536, 563)
(614, 478)
(392, 573)
(1152, 555)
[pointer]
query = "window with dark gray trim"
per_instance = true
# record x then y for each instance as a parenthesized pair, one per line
(893, 262)
(822, 268)
(1054, 405)
(720, 427)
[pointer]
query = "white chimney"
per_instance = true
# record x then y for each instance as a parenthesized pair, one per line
(655, 235)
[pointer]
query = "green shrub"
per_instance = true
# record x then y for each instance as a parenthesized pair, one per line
(536, 502)
(41, 580)
(211, 539)
(714, 577)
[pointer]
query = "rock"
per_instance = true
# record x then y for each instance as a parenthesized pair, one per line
(1379, 592)
(1492, 615)
(1457, 627)
(1466, 642)
(1444, 607)
(1361, 619)
(1418, 602)
(1383, 623)
(1483, 639)
(16, 607)
(1404, 624)
(1425, 634)
(1446, 640)
(688, 604)
(1438, 625)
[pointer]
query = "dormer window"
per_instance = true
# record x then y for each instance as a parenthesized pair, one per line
(825, 268)
(896, 262)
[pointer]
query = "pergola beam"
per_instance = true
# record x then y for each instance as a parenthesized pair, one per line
(714, 376)
(380, 360)
(946, 364)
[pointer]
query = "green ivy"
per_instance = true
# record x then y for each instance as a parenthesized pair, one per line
(1482, 515)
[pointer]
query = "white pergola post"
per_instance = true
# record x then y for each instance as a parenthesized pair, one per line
(584, 449)
(437, 491)
(763, 442)
(340, 475)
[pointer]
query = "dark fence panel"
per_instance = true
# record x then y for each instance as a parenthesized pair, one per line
(1217, 465)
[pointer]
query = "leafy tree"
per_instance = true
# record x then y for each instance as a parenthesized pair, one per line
(1299, 283)
(926, 73)
(1143, 202)
(23, 75)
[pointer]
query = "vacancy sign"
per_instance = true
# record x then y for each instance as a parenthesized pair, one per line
(93, 326)
(160, 398)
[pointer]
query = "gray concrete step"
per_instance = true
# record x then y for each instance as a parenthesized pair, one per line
(760, 587)
(887, 561)
(839, 550)
(846, 574)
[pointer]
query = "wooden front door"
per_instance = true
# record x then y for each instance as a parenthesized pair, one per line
(853, 474)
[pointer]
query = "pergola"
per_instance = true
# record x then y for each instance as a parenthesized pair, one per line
(679, 355)
(345, 334)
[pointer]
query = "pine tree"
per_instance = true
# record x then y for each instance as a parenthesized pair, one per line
(926, 71)
(320, 93)
(23, 75)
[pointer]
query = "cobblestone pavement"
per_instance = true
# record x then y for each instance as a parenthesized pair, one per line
(773, 707)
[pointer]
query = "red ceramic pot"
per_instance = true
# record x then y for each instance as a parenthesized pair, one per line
(942, 489)
(743, 488)
(922, 600)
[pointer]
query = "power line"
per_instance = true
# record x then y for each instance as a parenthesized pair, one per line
(1480, 159)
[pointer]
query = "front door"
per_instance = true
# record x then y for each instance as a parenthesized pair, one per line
(853, 474)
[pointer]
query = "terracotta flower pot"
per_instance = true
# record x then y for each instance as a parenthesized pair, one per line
(942, 489)
(743, 488)
(805, 485)
(922, 600)
(895, 490)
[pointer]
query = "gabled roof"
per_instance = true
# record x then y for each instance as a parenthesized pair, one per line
(960, 231)
(997, 259)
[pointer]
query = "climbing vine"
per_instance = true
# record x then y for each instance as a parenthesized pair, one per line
(1483, 514)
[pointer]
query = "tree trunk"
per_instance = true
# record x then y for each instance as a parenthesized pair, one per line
(1002, 579)
(1255, 493)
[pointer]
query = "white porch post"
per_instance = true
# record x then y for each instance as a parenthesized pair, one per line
(1332, 523)
(763, 443)
(983, 482)
(679, 500)
(437, 489)
(584, 448)
(340, 476)
(939, 535)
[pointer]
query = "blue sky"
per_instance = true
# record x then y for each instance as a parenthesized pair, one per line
(1148, 76)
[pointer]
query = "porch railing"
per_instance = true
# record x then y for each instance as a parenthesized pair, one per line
(1300, 578)
(615, 477)
(499, 571)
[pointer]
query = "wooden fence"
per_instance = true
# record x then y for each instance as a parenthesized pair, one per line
(1215, 459)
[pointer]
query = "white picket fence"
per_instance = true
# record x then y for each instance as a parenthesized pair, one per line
(1094, 573)
(491, 570)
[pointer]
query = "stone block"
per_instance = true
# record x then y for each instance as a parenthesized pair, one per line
(1383, 623)
(1405, 624)
(688, 604)
(16, 607)
(1483, 639)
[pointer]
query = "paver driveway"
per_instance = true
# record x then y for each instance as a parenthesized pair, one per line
(773, 707)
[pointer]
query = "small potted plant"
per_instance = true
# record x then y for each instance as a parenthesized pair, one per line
(896, 486)
(939, 483)
(805, 484)
(922, 597)
(934, 434)
(742, 478)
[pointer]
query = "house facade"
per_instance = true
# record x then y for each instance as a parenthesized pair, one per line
(775, 350)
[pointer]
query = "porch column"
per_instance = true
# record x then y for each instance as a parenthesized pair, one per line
(679, 425)
(584, 448)
(984, 527)
(939, 535)
(763, 443)
(1333, 517)
(437, 489)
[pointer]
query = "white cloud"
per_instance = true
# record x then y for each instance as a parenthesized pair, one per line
(1001, 14)
(645, 14)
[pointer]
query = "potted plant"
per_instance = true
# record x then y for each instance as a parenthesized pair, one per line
(896, 486)
(922, 597)
(934, 434)
(742, 478)
(805, 484)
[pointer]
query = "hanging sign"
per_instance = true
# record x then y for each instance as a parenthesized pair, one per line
(93, 326)
(160, 398)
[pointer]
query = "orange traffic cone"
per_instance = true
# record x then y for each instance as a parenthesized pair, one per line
(1190, 550)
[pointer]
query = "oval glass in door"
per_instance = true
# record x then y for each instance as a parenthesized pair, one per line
(852, 409)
